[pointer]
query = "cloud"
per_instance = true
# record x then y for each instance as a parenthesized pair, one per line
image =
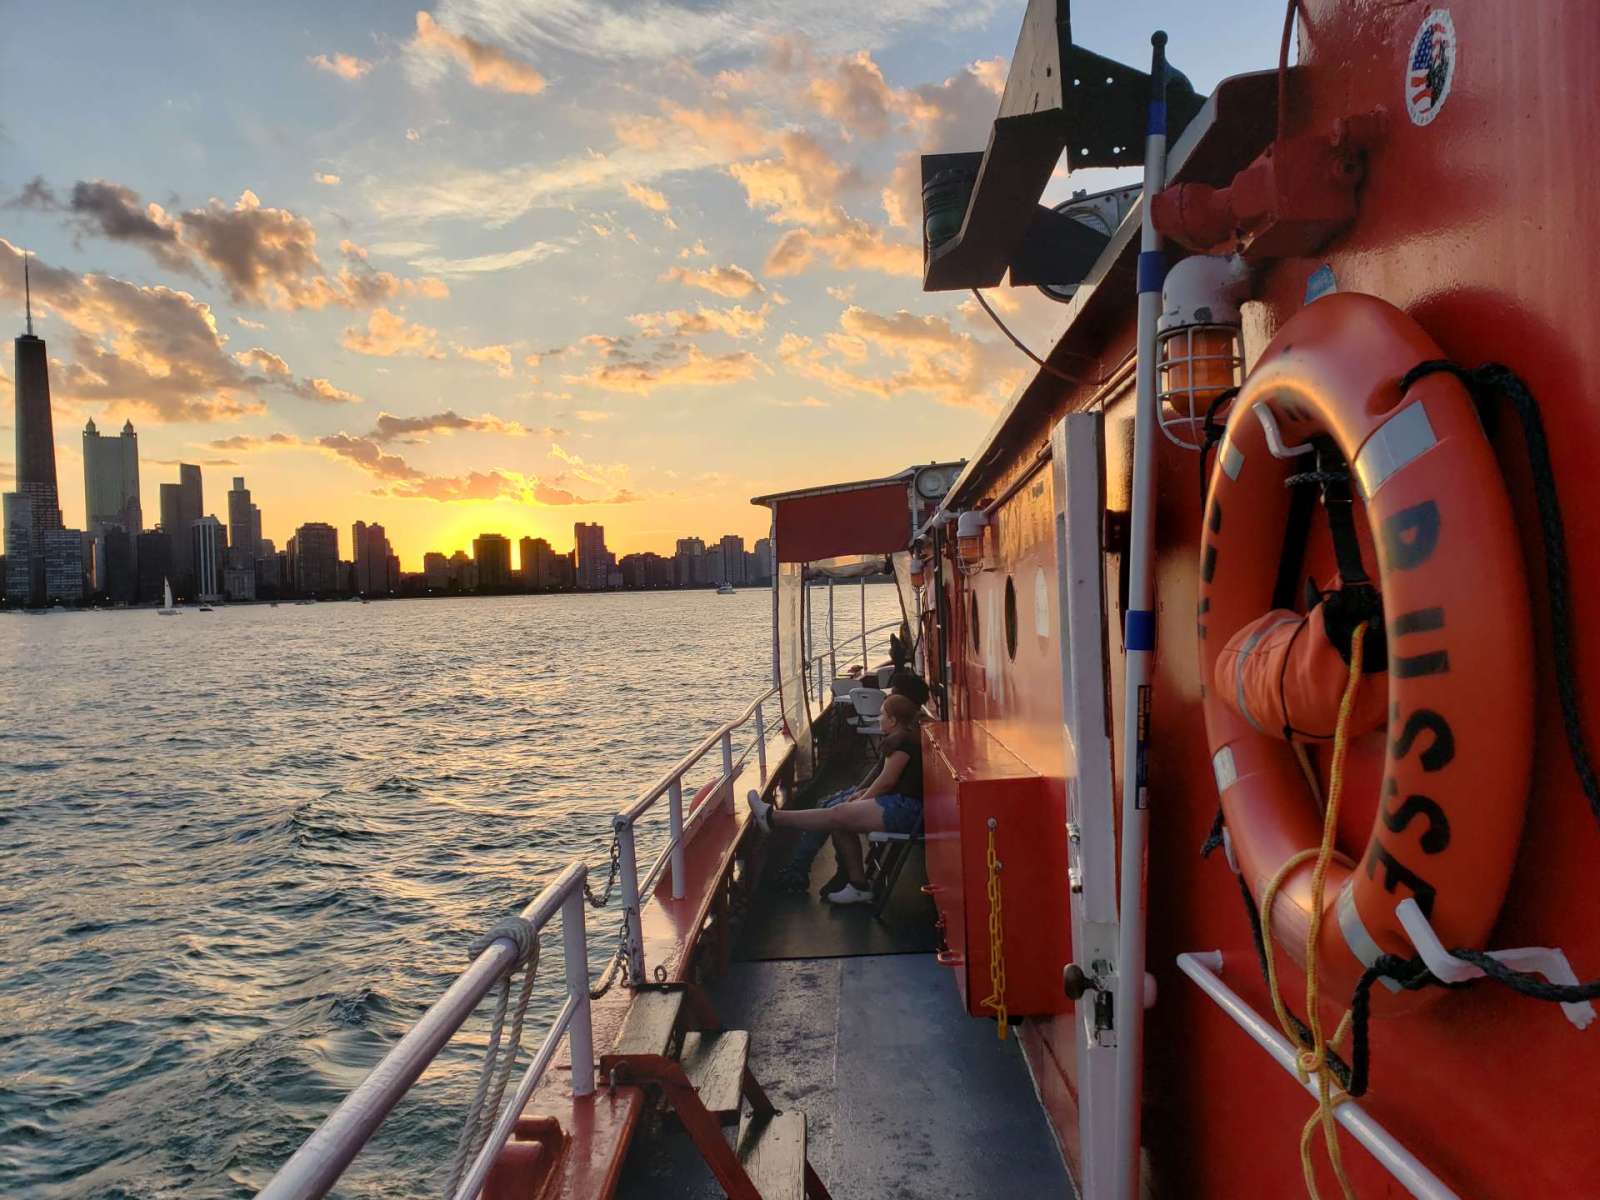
(925, 354)
(672, 367)
(735, 321)
(627, 31)
(733, 282)
(263, 256)
(591, 416)
(326, 178)
(248, 441)
(851, 245)
(803, 402)
(369, 456)
(154, 350)
(497, 356)
(407, 482)
(112, 211)
(800, 185)
(649, 197)
(390, 335)
(390, 428)
(345, 66)
(35, 194)
(323, 392)
(698, 250)
(486, 66)
(505, 260)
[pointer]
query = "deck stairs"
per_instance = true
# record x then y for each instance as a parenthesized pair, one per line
(671, 1040)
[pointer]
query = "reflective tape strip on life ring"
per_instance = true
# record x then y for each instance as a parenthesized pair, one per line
(1460, 679)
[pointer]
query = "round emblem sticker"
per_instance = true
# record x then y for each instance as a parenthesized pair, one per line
(1431, 67)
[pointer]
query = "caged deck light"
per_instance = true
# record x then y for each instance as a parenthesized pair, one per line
(1199, 347)
(969, 538)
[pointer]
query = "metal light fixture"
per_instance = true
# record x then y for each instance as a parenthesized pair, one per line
(969, 538)
(1199, 347)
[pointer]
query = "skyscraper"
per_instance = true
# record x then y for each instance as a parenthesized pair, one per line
(314, 559)
(36, 444)
(689, 563)
(593, 559)
(111, 480)
(182, 504)
(732, 559)
(210, 556)
(42, 562)
(492, 553)
(242, 525)
(370, 554)
(153, 555)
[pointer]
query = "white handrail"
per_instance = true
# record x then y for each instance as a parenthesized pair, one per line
(323, 1157)
(1407, 1169)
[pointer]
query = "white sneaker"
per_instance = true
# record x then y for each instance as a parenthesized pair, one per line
(849, 894)
(760, 809)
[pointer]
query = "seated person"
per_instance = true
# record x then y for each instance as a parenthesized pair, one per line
(796, 874)
(891, 802)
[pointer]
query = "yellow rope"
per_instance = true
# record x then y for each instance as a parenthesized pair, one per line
(1312, 1059)
(997, 943)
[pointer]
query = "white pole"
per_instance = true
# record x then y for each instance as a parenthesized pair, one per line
(761, 743)
(580, 1034)
(675, 816)
(863, 628)
(1138, 642)
(628, 872)
(833, 662)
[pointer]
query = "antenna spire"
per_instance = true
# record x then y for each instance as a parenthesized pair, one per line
(27, 291)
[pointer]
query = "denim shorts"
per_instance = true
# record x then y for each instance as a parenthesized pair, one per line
(901, 814)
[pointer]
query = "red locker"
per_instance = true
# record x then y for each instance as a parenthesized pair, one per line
(969, 780)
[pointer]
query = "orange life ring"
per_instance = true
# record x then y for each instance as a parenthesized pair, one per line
(1460, 678)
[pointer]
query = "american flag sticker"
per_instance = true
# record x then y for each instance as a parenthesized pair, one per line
(1431, 67)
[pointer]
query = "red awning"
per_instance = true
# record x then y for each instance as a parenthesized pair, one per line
(864, 518)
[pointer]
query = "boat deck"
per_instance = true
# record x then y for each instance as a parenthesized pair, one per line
(854, 1022)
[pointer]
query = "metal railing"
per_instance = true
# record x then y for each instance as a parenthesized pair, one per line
(320, 1161)
(323, 1157)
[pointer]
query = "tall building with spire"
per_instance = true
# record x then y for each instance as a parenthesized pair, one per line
(43, 562)
(36, 442)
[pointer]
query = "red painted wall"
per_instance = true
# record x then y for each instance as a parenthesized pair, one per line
(1482, 226)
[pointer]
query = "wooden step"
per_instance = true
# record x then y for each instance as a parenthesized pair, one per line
(773, 1153)
(649, 1026)
(714, 1063)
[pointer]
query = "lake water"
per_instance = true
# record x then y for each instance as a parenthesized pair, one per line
(244, 851)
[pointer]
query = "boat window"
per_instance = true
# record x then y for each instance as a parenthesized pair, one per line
(972, 609)
(1011, 619)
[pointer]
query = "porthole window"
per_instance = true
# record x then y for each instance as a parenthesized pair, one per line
(1011, 620)
(972, 610)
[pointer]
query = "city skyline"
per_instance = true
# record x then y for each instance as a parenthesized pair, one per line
(480, 267)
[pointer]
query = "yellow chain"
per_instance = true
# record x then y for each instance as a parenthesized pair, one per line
(997, 942)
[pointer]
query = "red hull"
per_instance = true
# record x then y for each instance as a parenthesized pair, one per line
(1468, 223)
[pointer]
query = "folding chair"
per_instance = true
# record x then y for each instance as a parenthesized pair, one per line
(886, 858)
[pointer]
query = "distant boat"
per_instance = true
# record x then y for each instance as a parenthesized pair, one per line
(725, 589)
(167, 610)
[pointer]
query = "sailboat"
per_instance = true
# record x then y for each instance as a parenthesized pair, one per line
(167, 609)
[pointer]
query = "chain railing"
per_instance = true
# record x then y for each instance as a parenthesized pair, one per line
(511, 947)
